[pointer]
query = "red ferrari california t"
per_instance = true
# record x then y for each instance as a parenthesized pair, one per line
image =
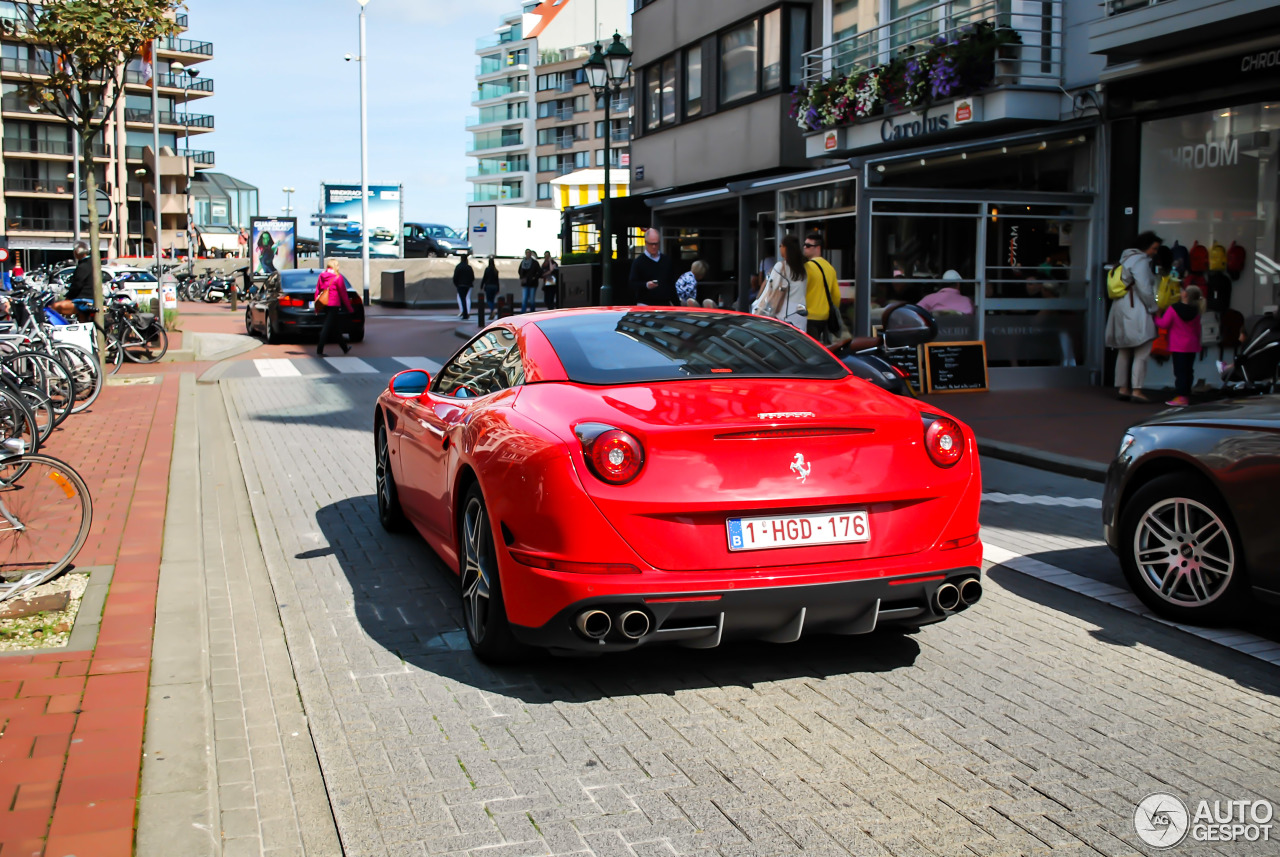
(602, 479)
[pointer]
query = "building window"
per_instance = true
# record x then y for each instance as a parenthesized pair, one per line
(652, 100)
(739, 62)
(544, 190)
(668, 90)
(771, 49)
(797, 42)
(693, 81)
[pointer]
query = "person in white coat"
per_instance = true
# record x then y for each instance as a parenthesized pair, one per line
(1131, 326)
(783, 294)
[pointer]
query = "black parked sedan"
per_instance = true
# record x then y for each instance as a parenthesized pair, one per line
(1191, 508)
(285, 306)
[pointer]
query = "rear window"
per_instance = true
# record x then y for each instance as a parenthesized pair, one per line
(303, 281)
(654, 345)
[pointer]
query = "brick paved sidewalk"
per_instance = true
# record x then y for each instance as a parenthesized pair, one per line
(72, 722)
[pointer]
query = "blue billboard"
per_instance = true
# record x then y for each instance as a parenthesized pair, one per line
(342, 210)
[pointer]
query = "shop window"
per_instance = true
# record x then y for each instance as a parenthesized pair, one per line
(739, 62)
(693, 81)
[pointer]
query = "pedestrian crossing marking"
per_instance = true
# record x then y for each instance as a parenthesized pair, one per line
(278, 367)
(1042, 500)
(350, 365)
(432, 366)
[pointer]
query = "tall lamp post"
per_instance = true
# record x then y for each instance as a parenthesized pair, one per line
(606, 72)
(364, 156)
(141, 173)
(288, 201)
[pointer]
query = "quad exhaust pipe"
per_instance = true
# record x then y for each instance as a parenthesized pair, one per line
(634, 624)
(594, 624)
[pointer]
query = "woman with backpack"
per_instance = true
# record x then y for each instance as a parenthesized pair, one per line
(489, 282)
(1131, 327)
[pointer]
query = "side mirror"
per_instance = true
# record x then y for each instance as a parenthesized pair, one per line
(907, 325)
(409, 384)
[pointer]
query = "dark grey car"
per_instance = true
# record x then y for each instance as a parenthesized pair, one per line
(1192, 510)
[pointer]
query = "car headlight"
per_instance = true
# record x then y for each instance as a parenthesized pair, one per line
(1125, 443)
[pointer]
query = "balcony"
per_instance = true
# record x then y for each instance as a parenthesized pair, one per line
(197, 156)
(620, 135)
(561, 114)
(171, 80)
(190, 120)
(619, 105)
(187, 46)
(947, 52)
(565, 142)
(28, 146)
(490, 91)
(25, 185)
(502, 142)
(181, 20)
(503, 194)
(1132, 29)
(20, 223)
(510, 34)
(484, 169)
(20, 66)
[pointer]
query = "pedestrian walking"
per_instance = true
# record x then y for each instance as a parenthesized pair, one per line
(530, 272)
(1131, 327)
(822, 292)
(550, 281)
(489, 282)
(1182, 320)
(652, 280)
(332, 302)
(783, 293)
(463, 279)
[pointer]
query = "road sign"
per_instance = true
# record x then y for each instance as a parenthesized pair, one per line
(4, 255)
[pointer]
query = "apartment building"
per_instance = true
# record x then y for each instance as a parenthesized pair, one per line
(38, 167)
(508, 128)
(570, 122)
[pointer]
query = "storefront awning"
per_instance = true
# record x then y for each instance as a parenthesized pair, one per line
(221, 240)
(585, 187)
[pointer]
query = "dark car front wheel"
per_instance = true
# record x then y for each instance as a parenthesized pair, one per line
(1180, 551)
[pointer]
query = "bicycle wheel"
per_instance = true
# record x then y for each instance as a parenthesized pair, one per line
(17, 423)
(45, 514)
(45, 373)
(144, 346)
(114, 354)
(84, 371)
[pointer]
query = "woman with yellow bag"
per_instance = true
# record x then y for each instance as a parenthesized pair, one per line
(1131, 328)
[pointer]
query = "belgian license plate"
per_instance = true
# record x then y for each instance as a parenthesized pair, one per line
(311, 305)
(825, 528)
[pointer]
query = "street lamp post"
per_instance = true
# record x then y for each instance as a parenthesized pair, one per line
(140, 172)
(288, 201)
(364, 157)
(606, 72)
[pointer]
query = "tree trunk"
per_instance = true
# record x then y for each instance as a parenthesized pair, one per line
(91, 191)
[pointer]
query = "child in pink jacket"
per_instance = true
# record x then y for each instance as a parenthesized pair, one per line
(1182, 320)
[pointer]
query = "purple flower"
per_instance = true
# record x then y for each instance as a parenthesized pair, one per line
(943, 78)
(811, 119)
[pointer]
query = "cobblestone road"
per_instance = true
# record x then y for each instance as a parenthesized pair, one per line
(1031, 724)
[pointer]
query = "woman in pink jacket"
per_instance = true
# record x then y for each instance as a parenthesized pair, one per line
(1182, 320)
(331, 301)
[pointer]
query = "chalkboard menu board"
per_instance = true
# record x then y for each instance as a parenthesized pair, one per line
(956, 367)
(908, 360)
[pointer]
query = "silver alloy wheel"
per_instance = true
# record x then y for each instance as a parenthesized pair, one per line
(477, 571)
(1184, 552)
(382, 471)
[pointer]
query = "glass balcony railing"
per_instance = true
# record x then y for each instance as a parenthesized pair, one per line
(512, 34)
(488, 91)
(486, 168)
(495, 142)
(26, 145)
(182, 20)
(496, 193)
(171, 80)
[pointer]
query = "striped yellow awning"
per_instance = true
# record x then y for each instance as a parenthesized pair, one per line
(584, 187)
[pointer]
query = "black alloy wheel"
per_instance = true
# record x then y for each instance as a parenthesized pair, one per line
(390, 512)
(484, 616)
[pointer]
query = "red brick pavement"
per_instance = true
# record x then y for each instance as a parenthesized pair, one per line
(71, 739)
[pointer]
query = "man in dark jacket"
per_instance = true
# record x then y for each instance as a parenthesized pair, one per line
(81, 285)
(652, 279)
(463, 279)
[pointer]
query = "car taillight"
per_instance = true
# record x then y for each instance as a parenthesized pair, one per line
(538, 561)
(944, 440)
(613, 455)
(284, 301)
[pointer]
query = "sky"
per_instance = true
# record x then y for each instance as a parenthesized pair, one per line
(287, 105)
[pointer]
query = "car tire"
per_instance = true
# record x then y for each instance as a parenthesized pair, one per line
(484, 615)
(248, 322)
(273, 335)
(390, 512)
(357, 335)
(1172, 514)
